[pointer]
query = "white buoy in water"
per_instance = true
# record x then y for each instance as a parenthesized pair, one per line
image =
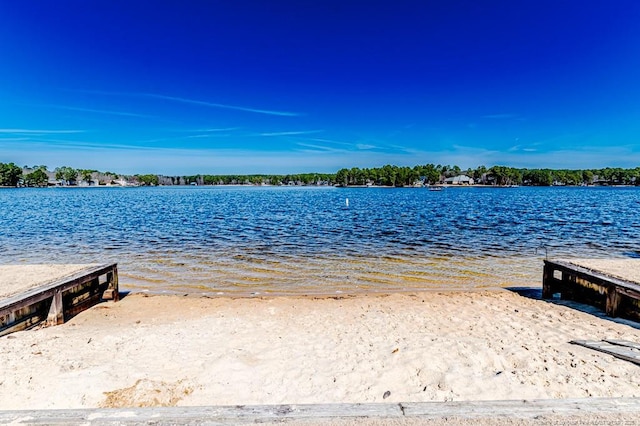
(346, 202)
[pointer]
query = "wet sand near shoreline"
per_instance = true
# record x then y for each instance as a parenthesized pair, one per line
(418, 346)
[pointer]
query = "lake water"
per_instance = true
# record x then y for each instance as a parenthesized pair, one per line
(235, 240)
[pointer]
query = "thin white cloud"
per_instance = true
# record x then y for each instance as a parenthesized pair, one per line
(196, 102)
(38, 132)
(222, 129)
(365, 146)
(134, 159)
(207, 135)
(97, 111)
(185, 137)
(329, 145)
(13, 139)
(318, 148)
(500, 116)
(349, 146)
(331, 141)
(225, 106)
(404, 150)
(67, 144)
(292, 133)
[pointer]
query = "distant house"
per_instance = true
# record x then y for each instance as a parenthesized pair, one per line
(459, 180)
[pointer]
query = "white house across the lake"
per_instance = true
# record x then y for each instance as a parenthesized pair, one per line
(459, 180)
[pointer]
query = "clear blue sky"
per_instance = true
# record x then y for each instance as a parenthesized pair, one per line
(185, 87)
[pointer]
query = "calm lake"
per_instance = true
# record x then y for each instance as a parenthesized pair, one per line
(234, 240)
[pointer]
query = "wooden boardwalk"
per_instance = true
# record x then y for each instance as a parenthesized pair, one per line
(611, 285)
(34, 294)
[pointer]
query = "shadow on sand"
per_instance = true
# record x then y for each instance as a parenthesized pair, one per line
(536, 293)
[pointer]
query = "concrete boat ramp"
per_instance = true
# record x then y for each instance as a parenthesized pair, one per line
(31, 295)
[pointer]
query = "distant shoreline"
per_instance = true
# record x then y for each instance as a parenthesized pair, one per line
(447, 186)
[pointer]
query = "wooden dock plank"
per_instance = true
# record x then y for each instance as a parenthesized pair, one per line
(17, 279)
(622, 352)
(598, 275)
(59, 299)
(625, 269)
(608, 288)
(626, 343)
(48, 289)
(520, 408)
(621, 408)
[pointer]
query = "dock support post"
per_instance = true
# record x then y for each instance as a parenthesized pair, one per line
(56, 311)
(613, 302)
(112, 292)
(547, 278)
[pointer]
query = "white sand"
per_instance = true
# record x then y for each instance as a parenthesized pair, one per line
(170, 350)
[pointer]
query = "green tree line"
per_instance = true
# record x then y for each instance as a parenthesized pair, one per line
(388, 175)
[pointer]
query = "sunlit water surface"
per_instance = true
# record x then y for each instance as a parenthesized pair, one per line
(283, 240)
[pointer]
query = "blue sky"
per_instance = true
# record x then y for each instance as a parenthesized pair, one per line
(185, 87)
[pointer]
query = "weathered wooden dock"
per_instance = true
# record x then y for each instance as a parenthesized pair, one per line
(31, 295)
(612, 285)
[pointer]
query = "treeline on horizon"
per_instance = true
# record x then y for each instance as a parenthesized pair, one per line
(431, 174)
(388, 175)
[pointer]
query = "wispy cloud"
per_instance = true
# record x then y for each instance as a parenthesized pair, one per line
(13, 139)
(331, 141)
(97, 111)
(197, 102)
(343, 146)
(318, 148)
(207, 135)
(38, 132)
(225, 106)
(500, 116)
(222, 129)
(47, 143)
(200, 133)
(183, 160)
(401, 149)
(292, 133)
(332, 145)
(365, 146)
(523, 148)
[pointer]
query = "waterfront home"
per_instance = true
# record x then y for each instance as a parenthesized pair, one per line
(459, 180)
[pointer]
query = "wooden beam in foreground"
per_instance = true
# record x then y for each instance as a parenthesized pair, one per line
(555, 409)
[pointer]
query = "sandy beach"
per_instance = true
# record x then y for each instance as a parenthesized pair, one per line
(430, 346)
